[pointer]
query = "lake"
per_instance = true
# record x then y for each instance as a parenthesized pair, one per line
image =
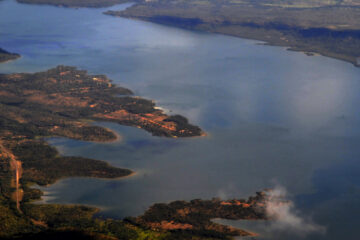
(274, 118)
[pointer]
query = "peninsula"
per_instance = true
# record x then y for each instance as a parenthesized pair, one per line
(56, 102)
(63, 101)
(329, 28)
(7, 56)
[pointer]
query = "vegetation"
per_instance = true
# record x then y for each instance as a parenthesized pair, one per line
(7, 56)
(42, 164)
(60, 102)
(56, 101)
(330, 28)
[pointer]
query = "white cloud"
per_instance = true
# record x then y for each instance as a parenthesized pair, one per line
(285, 217)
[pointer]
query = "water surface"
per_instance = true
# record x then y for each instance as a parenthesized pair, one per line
(274, 117)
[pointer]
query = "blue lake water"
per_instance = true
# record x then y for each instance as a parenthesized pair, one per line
(273, 117)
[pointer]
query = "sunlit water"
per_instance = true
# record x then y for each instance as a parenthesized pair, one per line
(273, 117)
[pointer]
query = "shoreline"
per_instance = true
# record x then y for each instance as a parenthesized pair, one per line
(133, 173)
(287, 47)
(44, 201)
(84, 100)
(11, 60)
(251, 234)
(198, 216)
(291, 38)
(118, 138)
(70, 6)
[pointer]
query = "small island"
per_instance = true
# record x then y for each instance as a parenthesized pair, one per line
(7, 56)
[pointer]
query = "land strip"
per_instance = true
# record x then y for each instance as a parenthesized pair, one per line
(329, 28)
(55, 103)
(7, 56)
(194, 218)
(64, 101)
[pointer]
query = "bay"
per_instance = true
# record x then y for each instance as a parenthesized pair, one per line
(273, 117)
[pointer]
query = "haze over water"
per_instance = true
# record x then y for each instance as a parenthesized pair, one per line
(273, 117)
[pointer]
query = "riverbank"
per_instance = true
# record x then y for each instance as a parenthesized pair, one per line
(299, 28)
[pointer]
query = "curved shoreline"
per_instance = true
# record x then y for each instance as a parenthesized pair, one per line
(118, 137)
(251, 234)
(133, 174)
(329, 41)
(6, 56)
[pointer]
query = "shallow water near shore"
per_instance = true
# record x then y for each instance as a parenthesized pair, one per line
(273, 117)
